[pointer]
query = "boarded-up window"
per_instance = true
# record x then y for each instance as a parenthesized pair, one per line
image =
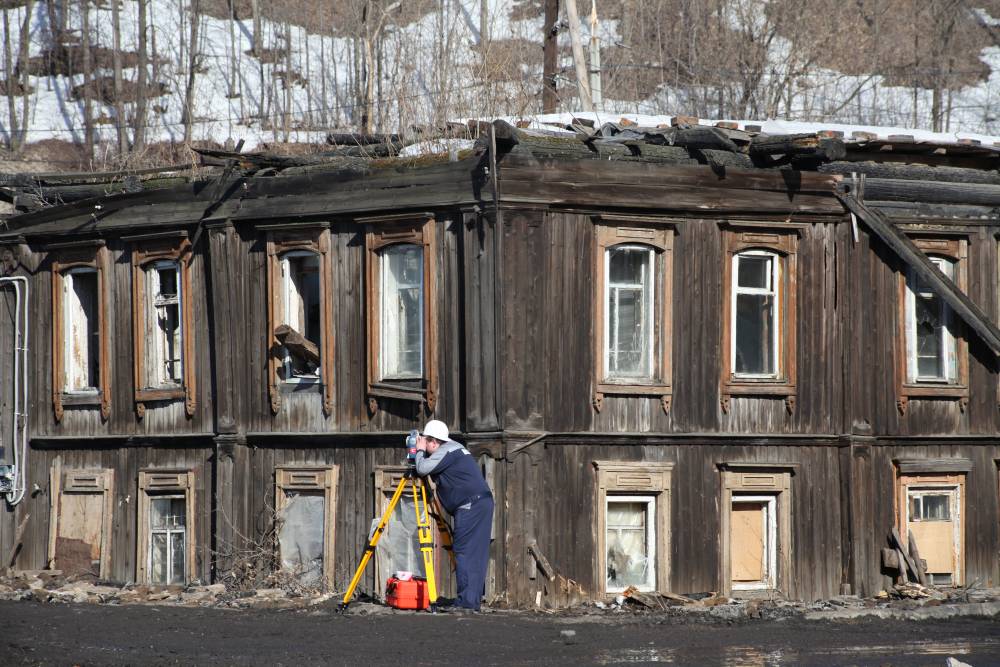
(400, 279)
(162, 320)
(931, 511)
(166, 540)
(81, 519)
(631, 542)
(753, 542)
(633, 526)
(80, 364)
(632, 308)
(306, 504)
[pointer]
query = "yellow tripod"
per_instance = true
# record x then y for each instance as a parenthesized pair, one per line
(418, 487)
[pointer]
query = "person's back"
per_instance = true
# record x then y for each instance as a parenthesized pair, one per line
(455, 473)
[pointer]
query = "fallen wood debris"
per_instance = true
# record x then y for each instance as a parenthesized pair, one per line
(297, 344)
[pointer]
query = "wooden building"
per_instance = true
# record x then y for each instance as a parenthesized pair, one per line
(688, 358)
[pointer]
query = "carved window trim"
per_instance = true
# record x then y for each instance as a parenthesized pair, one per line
(633, 478)
(381, 233)
(782, 241)
(314, 239)
(179, 250)
(955, 249)
(611, 231)
(160, 482)
(751, 479)
(93, 256)
(96, 482)
(312, 478)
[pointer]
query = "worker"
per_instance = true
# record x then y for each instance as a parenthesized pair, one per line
(466, 496)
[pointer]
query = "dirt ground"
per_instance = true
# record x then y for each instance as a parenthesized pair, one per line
(33, 633)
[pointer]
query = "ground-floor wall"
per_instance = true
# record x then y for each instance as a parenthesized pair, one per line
(668, 514)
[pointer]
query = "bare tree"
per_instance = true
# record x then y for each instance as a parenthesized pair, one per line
(194, 62)
(141, 85)
(88, 85)
(116, 29)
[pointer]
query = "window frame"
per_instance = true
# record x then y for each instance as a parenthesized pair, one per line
(658, 235)
(774, 290)
(281, 239)
(145, 253)
(781, 241)
(91, 255)
(650, 534)
(159, 483)
(621, 479)
(770, 546)
(323, 479)
(909, 476)
(381, 233)
(744, 481)
(954, 249)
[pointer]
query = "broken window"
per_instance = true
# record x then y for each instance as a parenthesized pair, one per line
(632, 296)
(306, 510)
(399, 282)
(753, 542)
(162, 321)
(629, 305)
(633, 525)
(167, 539)
(300, 289)
(402, 316)
(299, 313)
(631, 542)
(931, 345)
(755, 314)
(82, 348)
(165, 547)
(758, 327)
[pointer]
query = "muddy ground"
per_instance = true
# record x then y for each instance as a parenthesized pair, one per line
(34, 633)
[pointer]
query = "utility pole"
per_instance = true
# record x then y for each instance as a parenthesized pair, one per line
(582, 85)
(595, 60)
(550, 56)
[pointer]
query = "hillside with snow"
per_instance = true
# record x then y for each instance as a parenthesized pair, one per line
(295, 84)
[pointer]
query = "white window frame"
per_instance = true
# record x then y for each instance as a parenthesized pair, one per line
(774, 291)
(157, 303)
(770, 547)
(69, 299)
(955, 490)
(649, 298)
(384, 301)
(286, 287)
(169, 533)
(650, 501)
(949, 343)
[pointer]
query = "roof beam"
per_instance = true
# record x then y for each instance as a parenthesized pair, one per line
(971, 314)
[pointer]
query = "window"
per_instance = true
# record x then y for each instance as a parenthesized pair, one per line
(402, 325)
(755, 315)
(633, 523)
(631, 542)
(930, 511)
(758, 317)
(165, 545)
(306, 504)
(82, 502)
(300, 311)
(162, 320)
(632, 266)
(79, 328)
(932, 363)
(756, 531)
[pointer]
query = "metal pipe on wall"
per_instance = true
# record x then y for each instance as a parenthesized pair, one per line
(19, 420)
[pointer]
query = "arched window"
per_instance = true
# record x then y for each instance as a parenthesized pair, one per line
(401, 316)
(931, 344)
(301, 311)
(629, 304)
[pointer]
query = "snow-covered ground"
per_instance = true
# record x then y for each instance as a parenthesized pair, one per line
(234, 99)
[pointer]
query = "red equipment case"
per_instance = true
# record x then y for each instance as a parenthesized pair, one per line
(411, 594)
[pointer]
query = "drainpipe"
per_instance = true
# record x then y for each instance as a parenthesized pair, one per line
(19, 421)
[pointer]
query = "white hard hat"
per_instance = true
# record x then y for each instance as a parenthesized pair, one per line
(436, 429)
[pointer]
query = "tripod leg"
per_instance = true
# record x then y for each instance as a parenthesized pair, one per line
(426, 536)
(443, 528)
(373, 542)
